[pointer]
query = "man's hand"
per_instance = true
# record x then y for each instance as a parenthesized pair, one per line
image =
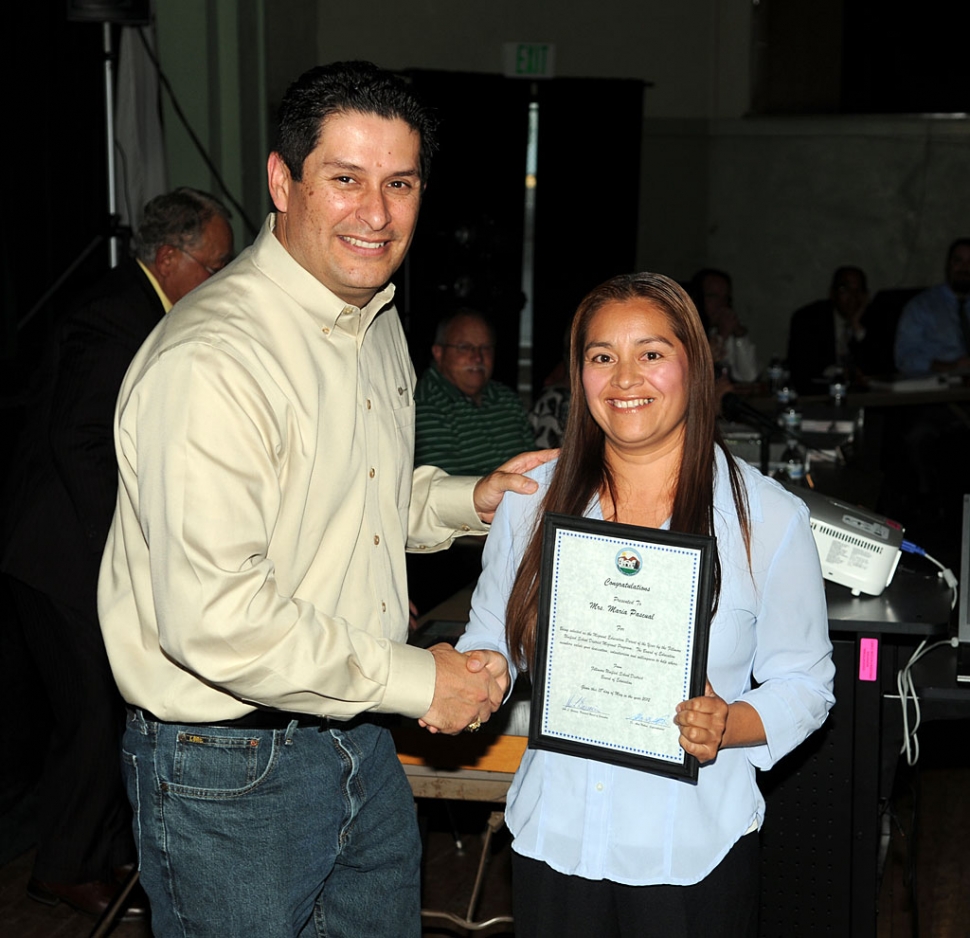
(702, 721)
(462, 693)
(494, 662)
(508, 478)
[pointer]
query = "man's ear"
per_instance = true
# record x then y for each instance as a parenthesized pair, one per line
(166, 257)
(436, 352)
(279, 181)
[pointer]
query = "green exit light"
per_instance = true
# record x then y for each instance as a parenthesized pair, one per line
(529, 59)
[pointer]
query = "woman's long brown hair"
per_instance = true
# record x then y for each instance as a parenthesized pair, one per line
(582, 472)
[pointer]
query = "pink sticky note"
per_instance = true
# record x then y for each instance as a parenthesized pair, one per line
(868, 659)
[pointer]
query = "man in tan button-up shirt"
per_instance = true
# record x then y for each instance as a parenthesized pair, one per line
(253, 596)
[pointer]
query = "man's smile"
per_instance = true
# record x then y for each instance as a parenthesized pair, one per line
(359, 243)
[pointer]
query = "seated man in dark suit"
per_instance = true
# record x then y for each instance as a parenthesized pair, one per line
(63, 490)
(826, 338)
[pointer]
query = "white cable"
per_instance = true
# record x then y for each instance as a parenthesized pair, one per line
(947, 575)
(904, 684)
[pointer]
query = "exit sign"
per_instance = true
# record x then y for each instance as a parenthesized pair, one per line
(529, 59)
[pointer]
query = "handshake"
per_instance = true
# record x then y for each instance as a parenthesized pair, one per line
(468, 688)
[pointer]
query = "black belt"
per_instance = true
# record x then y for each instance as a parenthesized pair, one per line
(264, 718)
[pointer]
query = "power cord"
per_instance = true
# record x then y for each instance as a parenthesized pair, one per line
(904, 678)
(163, 79)
(907, 692)
(910, 548)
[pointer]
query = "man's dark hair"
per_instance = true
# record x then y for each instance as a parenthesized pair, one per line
(176, 218)
(840, 272)
(340, 88)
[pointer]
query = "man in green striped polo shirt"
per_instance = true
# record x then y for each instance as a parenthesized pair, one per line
(467, 424)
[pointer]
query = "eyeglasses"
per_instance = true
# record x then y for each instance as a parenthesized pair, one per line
(467, 349)
(209, 270)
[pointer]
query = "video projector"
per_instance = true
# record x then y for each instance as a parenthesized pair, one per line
(856, 547)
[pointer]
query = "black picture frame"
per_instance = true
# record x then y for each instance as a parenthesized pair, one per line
(599, 551)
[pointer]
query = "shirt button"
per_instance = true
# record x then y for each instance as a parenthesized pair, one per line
(326, 330)
(377, 539)
(368, 403)
(465, 527)
(383, 607)
(599, 786)
(371, 473)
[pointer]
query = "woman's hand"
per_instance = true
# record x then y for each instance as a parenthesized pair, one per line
(702, 722)
(708, 724)
(495, 664)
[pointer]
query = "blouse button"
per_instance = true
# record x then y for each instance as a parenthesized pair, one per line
(377, 539)
(371, 473)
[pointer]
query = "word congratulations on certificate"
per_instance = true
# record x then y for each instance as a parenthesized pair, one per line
(624, 616)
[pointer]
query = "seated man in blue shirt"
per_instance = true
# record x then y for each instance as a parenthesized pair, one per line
(934, 330)
(466, 423)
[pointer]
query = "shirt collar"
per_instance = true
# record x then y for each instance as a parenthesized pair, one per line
(324, 306)
(166, 302)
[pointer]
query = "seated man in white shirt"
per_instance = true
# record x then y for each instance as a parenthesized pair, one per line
(933, 334)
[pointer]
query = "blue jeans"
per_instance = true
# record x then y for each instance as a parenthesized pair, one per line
(304, 832)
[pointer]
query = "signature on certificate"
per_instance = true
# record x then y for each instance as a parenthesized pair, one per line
(648, 721)
(578, 702)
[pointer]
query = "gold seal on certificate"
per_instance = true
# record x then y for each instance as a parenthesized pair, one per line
(624, 615)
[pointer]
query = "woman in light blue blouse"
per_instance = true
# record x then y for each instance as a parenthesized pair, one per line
(605, 850)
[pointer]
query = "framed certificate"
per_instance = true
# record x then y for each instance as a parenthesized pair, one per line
(624, 617)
